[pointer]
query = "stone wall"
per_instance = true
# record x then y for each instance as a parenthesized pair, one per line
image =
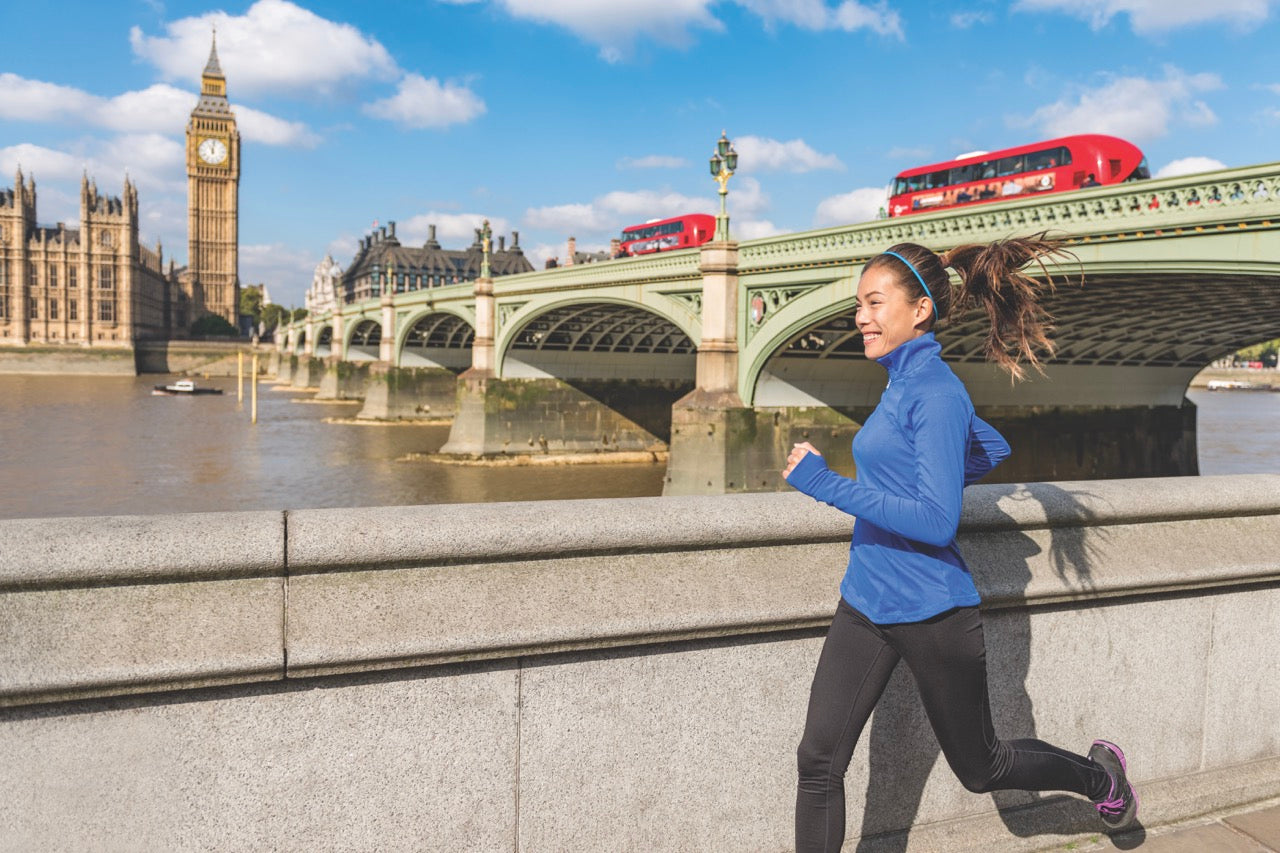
(69, 360)
(623, 675)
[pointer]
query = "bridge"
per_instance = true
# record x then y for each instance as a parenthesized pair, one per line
(728, 353)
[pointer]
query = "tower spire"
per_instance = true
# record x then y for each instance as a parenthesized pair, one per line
(212, 68)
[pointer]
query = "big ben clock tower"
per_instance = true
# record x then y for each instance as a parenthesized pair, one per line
(213, 181)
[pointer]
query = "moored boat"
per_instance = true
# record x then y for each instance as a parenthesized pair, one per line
(183, 388)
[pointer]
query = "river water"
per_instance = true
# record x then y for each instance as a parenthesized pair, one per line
(74, 445)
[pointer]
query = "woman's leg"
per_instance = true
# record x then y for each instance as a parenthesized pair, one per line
(853, 670)
(947, 656)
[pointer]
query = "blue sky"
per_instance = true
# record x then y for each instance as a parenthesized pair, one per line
(580, 117)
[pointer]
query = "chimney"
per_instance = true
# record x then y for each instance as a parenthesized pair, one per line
(502, 243)
(569, 255)
(384, 234)
(615, 247)
(392, 223)
(431, 233)
(515, 240)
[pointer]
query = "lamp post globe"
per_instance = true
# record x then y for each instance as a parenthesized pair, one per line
(724, 162)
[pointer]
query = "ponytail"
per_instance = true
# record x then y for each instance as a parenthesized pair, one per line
(991, 279)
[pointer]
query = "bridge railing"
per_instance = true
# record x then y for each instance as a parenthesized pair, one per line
(586, 675)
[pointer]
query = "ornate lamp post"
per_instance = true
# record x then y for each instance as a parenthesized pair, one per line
(486, 241)
(724, 162)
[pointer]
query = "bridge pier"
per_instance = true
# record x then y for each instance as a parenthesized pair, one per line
(343, 380)
(285, 366)
(394, 393)
(497, 417)
(308, 372)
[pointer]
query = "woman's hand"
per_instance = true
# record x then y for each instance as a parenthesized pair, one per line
(798, 452)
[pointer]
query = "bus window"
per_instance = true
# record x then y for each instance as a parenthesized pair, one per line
(964, 174)
(938, 180)
(1042, 160)
(987, 169)
(1010, 166)
(1064, 156)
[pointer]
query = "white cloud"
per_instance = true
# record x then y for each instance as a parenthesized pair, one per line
(157, 109)
(653, 161)
(752, 229)
(1189, 166)
(1148, 17)
(287, 271)
(965, 20)
(1132, 107)
(817, 15)
(614, 211)
(453, 230)
(275, 45)
(860, 205)
(615, 25)
(761, 154)
(420, 102)
(43, 163)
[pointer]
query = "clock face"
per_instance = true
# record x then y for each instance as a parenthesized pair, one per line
(213, 151)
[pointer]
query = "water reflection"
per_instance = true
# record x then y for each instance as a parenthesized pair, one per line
(90, 445)
(80, 445)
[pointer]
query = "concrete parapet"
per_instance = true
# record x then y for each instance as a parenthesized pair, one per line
(395, 393)
(626, 675)
(69, 360)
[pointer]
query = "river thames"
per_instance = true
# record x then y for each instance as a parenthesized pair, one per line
(80, 445)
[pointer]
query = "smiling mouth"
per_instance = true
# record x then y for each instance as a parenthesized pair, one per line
(870, 337)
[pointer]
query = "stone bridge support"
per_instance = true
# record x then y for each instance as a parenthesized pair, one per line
(400, 393)
(344, 380)
(308, 372)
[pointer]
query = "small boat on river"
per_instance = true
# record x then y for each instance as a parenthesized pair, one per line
(182, 388)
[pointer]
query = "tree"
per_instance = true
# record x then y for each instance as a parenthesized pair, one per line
(273, 315)
(299, 314)
(251, 301)
(214, 326)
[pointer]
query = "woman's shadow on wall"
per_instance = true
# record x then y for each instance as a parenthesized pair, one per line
(902, 747)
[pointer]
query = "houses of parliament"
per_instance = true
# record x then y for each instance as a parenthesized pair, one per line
(95, 284)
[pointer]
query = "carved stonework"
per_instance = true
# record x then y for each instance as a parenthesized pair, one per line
(506, 310)
(764, 302)
(690, 299)
(322, 297)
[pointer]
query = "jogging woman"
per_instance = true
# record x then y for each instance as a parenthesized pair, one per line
(907, 593)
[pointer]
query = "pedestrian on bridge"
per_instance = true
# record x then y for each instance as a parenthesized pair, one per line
(907, 593)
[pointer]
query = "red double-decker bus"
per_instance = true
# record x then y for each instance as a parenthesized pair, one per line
(678, 232)
(1055, 165)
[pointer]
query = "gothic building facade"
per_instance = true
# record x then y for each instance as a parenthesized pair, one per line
(94, 283)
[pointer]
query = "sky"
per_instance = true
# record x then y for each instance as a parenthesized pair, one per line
(580, 117)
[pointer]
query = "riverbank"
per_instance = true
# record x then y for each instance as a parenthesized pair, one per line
(1269, 377)
(192, 358)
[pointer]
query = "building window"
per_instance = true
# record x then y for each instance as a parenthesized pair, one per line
(71, 277)
(53, 309)
(31, 276)
(33, 308)
(105, 238)
(106, 310)
(52, 275)
(105, 281)
(4, 303)
(71, 310)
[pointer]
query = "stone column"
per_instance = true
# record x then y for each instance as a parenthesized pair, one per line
(483, 355)
(338, 346)
(387, 346)
(707, 425)
(309, 342)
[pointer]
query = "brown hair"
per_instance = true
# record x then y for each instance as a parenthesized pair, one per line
(992, 278)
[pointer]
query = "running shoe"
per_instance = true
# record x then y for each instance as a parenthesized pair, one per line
(1119, 809)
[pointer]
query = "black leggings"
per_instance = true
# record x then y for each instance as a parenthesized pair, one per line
(947, 656)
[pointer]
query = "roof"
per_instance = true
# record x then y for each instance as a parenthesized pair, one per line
(431, 259)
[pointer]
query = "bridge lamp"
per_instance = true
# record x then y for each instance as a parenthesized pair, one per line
(724, 162)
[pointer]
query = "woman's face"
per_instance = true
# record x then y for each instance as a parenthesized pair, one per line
(886, 317)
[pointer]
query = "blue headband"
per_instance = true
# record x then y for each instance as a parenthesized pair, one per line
(920, 279)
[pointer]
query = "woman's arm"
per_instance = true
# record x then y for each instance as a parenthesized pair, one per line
(987, 449)
(940, 435)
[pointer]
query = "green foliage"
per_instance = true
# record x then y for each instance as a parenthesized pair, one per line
(213, 326)
(1265, 352)
(273, 315)
(251, 301)
(299, 314)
